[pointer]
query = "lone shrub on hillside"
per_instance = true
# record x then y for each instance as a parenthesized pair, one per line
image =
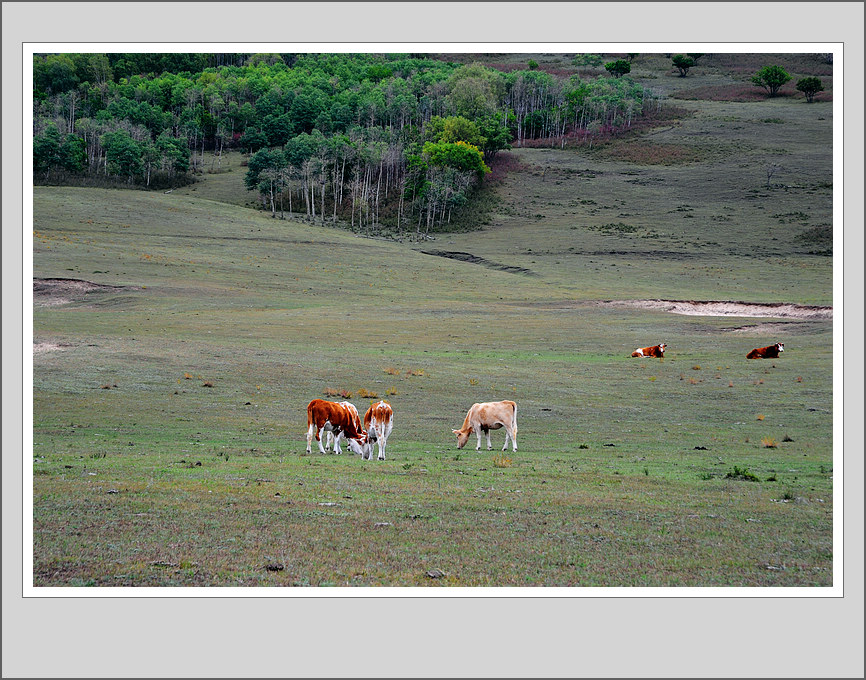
(618, 68)
(810, 87)
(683, 64)
(771, 78)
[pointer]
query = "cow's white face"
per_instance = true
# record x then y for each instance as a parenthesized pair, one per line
(780, 346)
(363, 447)
(462, 438)
(662, 347)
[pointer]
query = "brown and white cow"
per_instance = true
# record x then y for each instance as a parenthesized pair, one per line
(770, 352)
(330, 416)
(655, 351)
(379, 419)
(333, 439)
(488, 416)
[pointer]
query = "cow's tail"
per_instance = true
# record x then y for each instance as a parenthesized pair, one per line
(311, 424)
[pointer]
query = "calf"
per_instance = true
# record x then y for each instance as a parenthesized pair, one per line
(379, 419)
(771, 352)
(655, 351)
(337, 418)
(489, 416)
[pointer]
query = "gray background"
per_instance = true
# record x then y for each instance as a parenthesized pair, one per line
(216, 636)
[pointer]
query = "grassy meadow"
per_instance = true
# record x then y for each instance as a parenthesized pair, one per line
(169, 401)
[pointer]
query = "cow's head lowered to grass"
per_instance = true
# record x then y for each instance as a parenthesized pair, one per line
(489, 416)
(329, 416)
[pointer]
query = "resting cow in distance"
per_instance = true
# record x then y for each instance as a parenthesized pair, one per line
(329, 416)
(655, 351)
(488, 416)
(379, 419)
(770, 352)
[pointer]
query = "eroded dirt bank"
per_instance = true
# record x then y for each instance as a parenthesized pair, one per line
(779, 310)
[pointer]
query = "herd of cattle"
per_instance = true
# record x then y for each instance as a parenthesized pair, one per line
(336, 420)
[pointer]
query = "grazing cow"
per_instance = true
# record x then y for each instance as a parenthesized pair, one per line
(655, 351)
(379, 418)
(771, 352)
(329, 416)
(489, 416)
(333, 439)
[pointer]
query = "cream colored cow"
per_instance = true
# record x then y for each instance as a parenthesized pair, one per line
(488, 416)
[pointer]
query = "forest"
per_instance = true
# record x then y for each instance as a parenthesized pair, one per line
(366, 141)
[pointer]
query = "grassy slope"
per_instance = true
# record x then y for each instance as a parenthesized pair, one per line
(211, 482)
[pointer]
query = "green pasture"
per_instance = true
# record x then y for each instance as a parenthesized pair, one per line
(169, 408)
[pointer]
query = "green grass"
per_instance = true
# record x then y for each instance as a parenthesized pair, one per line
(620, 475)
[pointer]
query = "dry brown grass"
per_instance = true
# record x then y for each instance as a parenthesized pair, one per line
(500, 460)
(331, 392)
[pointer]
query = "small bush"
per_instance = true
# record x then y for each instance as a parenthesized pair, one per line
(207, 383)
(366, 394)
(772, 478)
(742, 473)
(583, 446)
(768, 443)
(760, 416)
(392, 371)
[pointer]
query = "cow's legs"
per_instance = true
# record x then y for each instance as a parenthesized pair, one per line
(337, 438)
(382, 441)
(319, 438)
(310, 437)
(478, 434)
(489, 445)
(512, 433)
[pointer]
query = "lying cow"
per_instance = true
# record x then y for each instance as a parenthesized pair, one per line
(655, 351)
(379, 419)
(771, 352)
(328, 416)
(489, 416)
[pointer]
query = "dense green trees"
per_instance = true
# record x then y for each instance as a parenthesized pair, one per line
(364, 138)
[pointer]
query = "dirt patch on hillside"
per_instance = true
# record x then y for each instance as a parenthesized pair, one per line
(53, 292)
(780, 310)
(768, 328)
(474, 259)
(45, 347)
